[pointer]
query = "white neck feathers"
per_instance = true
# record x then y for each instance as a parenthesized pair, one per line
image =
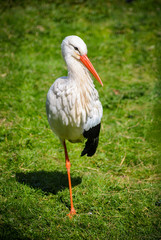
(78, 72)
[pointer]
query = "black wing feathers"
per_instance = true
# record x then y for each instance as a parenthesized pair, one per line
(92, 136)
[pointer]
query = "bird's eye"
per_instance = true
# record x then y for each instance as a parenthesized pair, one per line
(76, 49)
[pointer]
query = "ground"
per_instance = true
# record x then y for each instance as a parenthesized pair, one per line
(116, 193)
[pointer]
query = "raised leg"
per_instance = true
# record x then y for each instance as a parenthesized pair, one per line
(72, 211)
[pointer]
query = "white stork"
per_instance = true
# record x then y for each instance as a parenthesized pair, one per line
(73, 108)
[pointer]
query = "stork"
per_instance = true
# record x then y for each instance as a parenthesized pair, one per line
(73, 108)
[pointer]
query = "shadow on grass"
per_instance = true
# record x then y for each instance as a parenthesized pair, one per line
(49, 182)
(8, 232)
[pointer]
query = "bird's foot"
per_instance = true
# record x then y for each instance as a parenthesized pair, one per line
(72, 212)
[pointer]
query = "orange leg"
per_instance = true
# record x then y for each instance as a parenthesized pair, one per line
(72, 211)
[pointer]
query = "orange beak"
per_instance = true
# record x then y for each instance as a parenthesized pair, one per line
(85, 60)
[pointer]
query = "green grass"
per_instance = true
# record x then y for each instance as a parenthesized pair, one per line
(116, 192)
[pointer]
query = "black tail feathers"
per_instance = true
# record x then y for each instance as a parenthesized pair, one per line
(90, 147)
(92, 136)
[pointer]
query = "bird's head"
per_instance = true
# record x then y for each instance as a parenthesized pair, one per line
(73, 46)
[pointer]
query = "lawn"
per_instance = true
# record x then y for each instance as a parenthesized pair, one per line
(116, 193)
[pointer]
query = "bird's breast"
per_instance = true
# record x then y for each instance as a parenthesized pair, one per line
(72, 108)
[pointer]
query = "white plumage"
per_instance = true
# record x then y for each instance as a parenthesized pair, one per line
(73, 104)
(73, 108)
